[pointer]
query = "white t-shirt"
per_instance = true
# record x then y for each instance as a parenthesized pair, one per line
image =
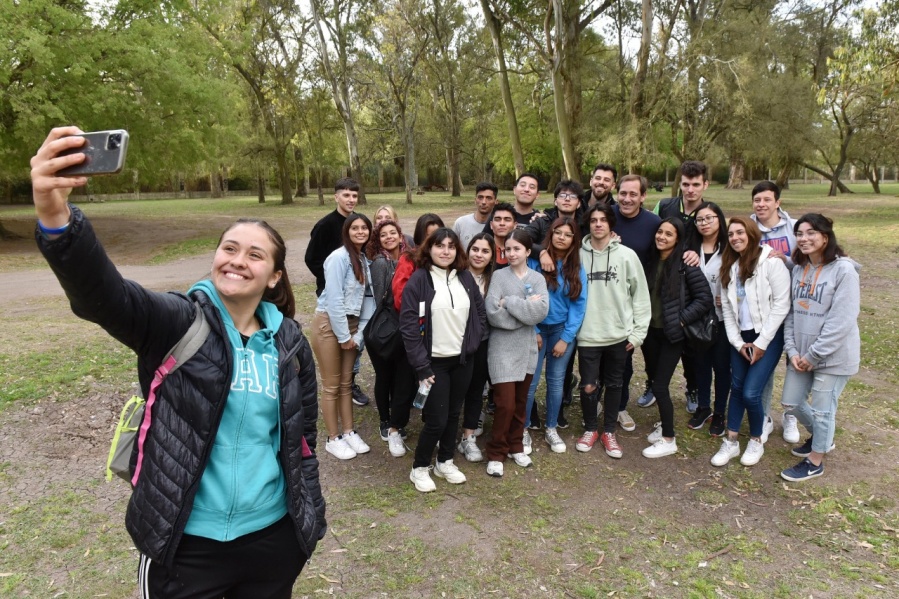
(467, 227)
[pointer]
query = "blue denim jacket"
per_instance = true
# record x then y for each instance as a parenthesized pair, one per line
(345, 296)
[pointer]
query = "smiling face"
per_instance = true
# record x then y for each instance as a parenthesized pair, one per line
(526, 191)
(601, 183)
(382, 215)
(516, 253)
(737, 237)
(765, 206)
(359, 233)
(443, 253)
(244, 265)
(479, 255)
(346, 201)
(811, 242)
(630, 199)
(707, 223)
(562, 238)
(389, 238)
(666, 239)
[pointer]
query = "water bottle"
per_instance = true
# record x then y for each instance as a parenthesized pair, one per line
(422, 396)
(528, 290)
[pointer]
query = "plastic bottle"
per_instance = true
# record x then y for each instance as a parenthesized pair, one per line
(422, 396)
(528, 290)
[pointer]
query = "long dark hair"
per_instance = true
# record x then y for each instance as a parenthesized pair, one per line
(423, 252)
(350, 247)
(669, 282)
(695, 243)
(491, 266)
(421, 226)
(571, 259)
(749, 259)
(823, 225)
(282, 293)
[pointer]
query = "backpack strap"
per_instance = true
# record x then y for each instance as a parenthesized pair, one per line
(183, 351)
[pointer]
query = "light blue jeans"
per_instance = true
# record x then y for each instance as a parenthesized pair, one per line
(818, 416)
(555, 374)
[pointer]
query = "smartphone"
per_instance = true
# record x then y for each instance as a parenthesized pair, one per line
(749, 351)
(104, 154)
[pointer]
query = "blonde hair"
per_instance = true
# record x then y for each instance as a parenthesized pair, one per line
(393, 215)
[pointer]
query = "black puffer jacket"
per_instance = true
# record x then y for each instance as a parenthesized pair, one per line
(190, 402)
(697, 301)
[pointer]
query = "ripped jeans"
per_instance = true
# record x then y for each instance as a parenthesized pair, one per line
(818, 416)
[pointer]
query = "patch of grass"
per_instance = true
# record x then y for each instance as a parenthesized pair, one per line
(184, 249)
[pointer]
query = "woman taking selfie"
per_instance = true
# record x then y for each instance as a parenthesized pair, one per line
(394, 379)
(442, 321)
(755, 300)
(709, 245)
(480, 265)
(343, 309)
(198, 532)
(516, 302)
(666, 277)
(821, 339)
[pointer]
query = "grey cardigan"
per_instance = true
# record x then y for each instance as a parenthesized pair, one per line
(513, 340)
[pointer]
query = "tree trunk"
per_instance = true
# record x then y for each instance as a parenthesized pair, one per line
(783, 177)
(871, 176)
(260, 185)
(495, 27)
(215, 183)
(833, 180)
(284, 177)
(637, 89)
(735, 178)
(301, 171)
(321, 193)
(411, 179)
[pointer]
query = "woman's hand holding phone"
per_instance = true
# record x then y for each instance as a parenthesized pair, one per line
(51, 192)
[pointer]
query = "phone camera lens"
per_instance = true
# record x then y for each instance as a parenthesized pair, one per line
(114, 141)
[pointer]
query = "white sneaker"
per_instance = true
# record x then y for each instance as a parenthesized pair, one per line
(339, 448)
(656, 433)
(521, 459)
(555, 441)
(468, 447)
(625, 421)
(791, 429)
(527, 443)
(480, 430)
(661, 448)
(754, 452)
(450, 472)
(395, 444)
(495, 468)
(767, 429)
(353, 439)
(421, 478)
(729, 450)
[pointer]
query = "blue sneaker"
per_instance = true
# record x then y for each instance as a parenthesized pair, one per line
(647, 399)
(692, 401)
(806, 448)
(804, 470)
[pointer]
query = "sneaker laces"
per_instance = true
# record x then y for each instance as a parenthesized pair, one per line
(588, 436)
(613, 442)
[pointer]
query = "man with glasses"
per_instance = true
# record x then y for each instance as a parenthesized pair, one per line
(566, 202)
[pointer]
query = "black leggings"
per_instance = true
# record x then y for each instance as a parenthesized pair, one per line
(261, 565)
(661, 358)
(441, 411)
(474, 398)
(395, 387)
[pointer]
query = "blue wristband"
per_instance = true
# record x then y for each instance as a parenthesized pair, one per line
(49, 231)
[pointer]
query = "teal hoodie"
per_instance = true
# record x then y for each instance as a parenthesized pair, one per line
(243, 489)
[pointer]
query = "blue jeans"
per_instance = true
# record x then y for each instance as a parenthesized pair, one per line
(819, 416)
(715, 360)
(748, 382)
(555, 373)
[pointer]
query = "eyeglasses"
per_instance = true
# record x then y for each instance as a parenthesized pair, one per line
(567, 196)
(565, 234)
(705, 219)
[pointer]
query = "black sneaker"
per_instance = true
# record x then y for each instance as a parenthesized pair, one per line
(359, 396)
(562, 422)
(806, 448)
(535, 418)
(717, 428)
(385, 429)
(699, 419)
(403, 434)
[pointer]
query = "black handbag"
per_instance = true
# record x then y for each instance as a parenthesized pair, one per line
(382, 333)
(702, 333)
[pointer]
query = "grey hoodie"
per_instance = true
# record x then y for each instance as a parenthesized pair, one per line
(780, 237)
(823, 324)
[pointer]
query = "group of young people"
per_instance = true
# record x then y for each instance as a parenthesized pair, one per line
(226, 495)
(510, 292)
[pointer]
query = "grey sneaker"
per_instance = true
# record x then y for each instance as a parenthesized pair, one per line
(528, 444)
(555, 441)
(468, 447)
(692, 401)
(647, 399)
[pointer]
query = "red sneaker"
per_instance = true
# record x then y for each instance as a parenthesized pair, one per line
(610, 444)
(587, 441)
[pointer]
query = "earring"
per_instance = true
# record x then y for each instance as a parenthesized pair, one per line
(272, 286)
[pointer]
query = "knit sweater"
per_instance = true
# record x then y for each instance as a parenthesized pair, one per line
(513, 342)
